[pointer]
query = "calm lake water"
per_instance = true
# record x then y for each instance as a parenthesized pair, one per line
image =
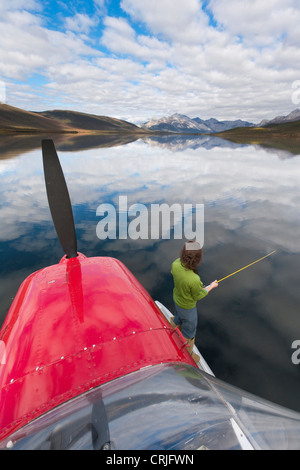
(251, 200)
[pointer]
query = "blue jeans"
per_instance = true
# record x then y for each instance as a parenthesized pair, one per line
(188, 319)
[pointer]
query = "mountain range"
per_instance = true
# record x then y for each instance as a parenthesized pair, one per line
(184, 124)
(292, 117)
(14, 120)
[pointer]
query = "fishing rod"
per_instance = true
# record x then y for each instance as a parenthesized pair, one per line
(248, 265)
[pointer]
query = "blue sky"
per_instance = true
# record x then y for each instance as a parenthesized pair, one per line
(138, 60)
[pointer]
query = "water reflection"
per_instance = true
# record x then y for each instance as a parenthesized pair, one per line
(13, 146)
(183, 142)
(251, 198)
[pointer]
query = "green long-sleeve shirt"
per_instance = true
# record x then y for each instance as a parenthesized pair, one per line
(188, 288)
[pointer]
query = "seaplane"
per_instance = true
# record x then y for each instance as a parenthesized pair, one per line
(88, 360)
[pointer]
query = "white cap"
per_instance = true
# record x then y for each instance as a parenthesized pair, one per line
(192, 246)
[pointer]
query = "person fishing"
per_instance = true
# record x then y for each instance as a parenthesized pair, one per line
(188, 289)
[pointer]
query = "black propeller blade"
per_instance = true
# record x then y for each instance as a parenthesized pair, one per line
(59, 199)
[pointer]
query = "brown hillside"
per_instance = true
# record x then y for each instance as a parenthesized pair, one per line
(89, 122)
(17, 120)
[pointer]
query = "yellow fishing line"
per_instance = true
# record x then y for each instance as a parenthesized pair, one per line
(247, 266)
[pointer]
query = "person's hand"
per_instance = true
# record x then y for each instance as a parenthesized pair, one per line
(214, 284)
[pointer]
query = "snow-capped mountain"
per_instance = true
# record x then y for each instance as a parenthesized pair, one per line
(181, 123)
(176, 123)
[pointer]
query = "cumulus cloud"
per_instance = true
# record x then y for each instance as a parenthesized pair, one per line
(226, 59)
(80, 23)
(173, 19)
(28, 48)
(10, 5)
(260, 23)
(121, 38)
